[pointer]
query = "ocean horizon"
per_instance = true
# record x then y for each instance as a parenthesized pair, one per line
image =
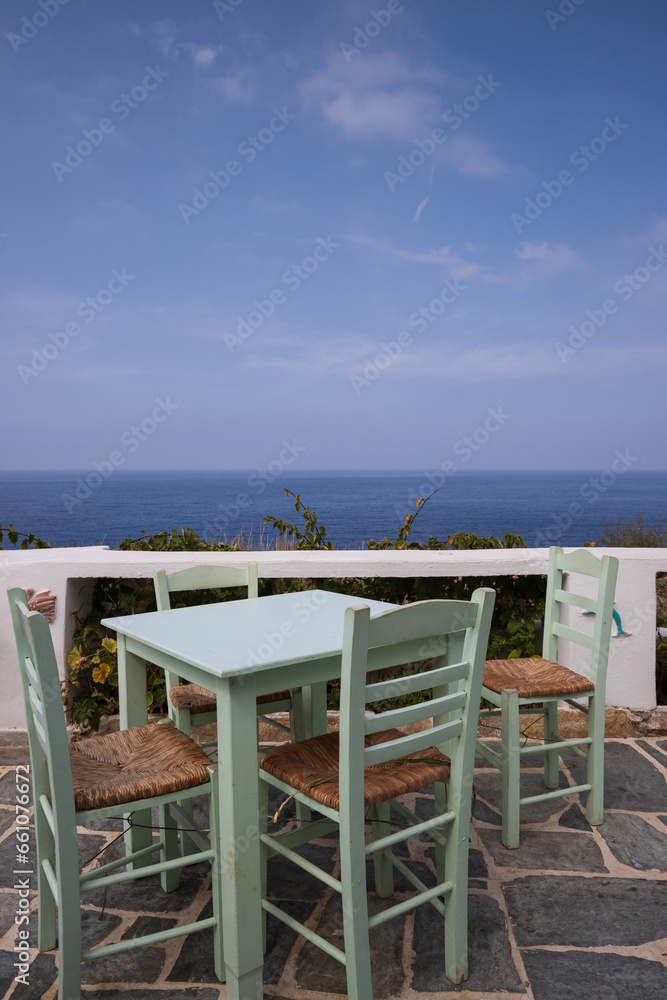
(542, 506)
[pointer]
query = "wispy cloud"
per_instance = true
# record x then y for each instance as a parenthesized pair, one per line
(378, 96)
(456, 266)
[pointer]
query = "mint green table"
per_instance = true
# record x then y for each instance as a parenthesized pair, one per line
(238, 649)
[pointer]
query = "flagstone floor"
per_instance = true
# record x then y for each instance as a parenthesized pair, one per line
(574, 913)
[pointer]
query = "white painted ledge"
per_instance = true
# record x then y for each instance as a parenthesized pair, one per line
(70, 572)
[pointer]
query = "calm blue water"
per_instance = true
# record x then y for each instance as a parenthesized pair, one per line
(543, 507)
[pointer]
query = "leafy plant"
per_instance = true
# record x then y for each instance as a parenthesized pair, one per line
(27, 540)
(313, 535)
(635, 533)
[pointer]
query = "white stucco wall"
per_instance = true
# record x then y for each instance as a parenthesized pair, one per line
(69, 573)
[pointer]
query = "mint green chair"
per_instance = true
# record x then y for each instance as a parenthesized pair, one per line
(355, 775)
(190, 703)
(524, 686)
(101, 776)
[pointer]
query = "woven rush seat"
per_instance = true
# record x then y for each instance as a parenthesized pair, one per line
(299, 764)
(199, 700)
(534, 678)
(134, 764)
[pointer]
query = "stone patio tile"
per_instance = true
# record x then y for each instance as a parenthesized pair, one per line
(147, 894)
(148, 925)
(634, 841)
(8, 901)
(490, 961)
(485, 814)
(8, 787)
(587, 912)
(41, 975)
(574, 819)
(572, 975)
(195, 964)
(630, 780)
(286, 881)
(657, 750)
(94, 927)
(280, 938)
(142, 965)
(489, 788)
(315, 970)
(572, 852)
(7, 818)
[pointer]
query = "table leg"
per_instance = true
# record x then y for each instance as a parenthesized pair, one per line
(238, 835)
(315, 709)
(133, 710)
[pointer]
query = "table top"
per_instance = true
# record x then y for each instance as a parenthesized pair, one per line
(237, 638)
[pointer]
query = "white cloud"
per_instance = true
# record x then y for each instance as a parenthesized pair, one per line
(456, 266)
(378, 95)
(473, 157)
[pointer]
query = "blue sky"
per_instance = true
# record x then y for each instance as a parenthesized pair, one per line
(367, 232)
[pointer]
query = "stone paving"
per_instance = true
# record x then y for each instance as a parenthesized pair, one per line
(574, 913)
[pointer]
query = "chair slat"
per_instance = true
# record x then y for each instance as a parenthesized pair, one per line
(409, 683)
(382, 752)
(36, 704)
(576, 600)
(397, 717)
(422, 620)
(573, 634)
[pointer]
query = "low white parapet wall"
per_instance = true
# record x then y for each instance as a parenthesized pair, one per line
(70, 573)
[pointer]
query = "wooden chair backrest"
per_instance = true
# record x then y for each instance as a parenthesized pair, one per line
(202, 578)
(455, 634)
(582, 563)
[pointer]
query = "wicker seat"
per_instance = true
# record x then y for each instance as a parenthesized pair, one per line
(534, 678)
(514, 687)
(112, 775)
(198, 700)
(135, 764)
(356, 774)
(299, 764)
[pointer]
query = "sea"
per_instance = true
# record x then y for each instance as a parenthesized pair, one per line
(571, 507)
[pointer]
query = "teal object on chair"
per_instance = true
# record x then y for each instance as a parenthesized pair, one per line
(190, 703)
(101, 776)
(517, 686)
(359, 772)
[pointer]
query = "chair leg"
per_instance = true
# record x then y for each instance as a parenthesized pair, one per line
(218, 949)
(263, 828)
(550, 736)
(355, 911)
(511, 767)
(440, 789)
(384, 869)
(46, 904)
(299, 730)
(69, 922)
(456, 902)
(169, 836)
(595, 800)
